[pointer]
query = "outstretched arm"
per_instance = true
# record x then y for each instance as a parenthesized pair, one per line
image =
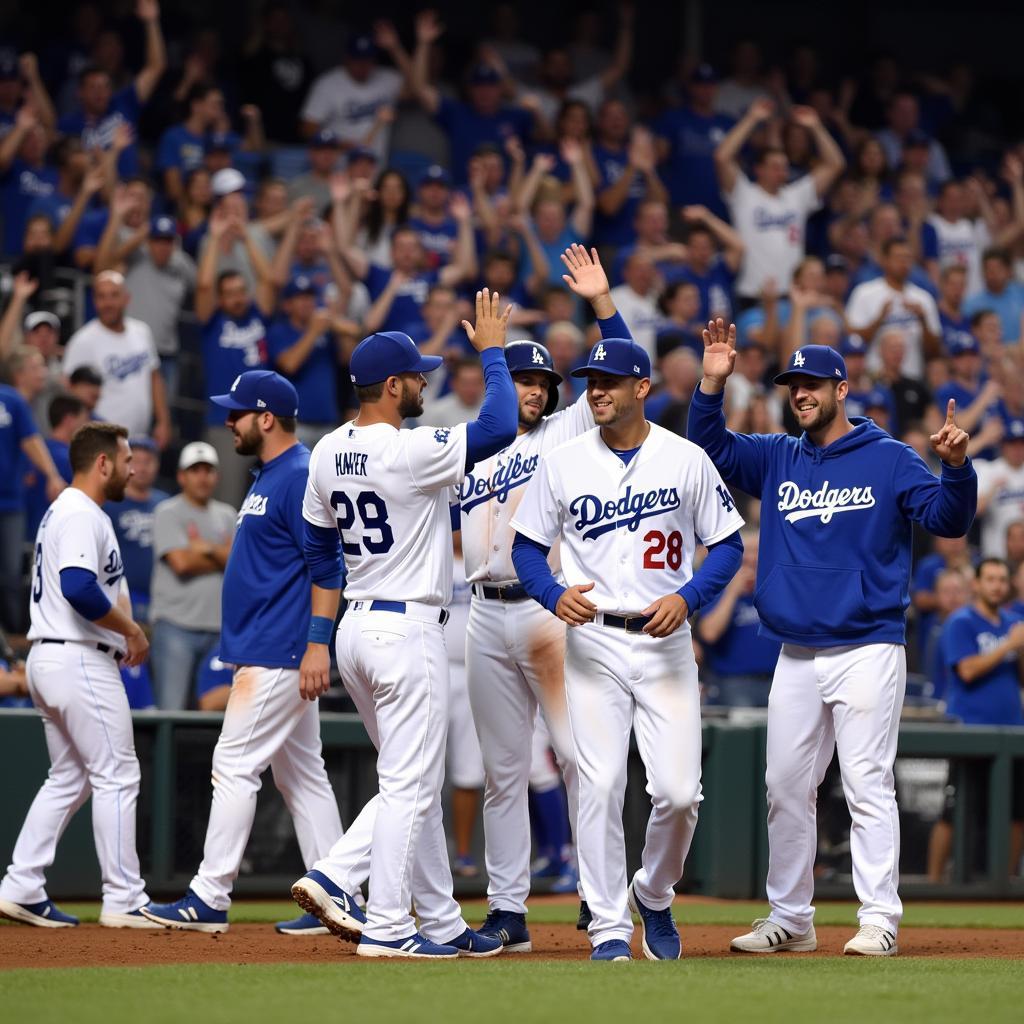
(832, 159)
(729, 148)
(146, 80)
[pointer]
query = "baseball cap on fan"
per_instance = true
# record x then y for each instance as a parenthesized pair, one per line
(226, 181)
(42, 316)
(198, 453)
(621, 357)
(260, 391)
(387, 354)
(814, 361)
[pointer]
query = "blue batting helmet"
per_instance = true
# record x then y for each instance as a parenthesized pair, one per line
(523, 356)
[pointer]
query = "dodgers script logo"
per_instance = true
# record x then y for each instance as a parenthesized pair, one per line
(597, 517)
(254, 505)
(823, 503)
(514, 473)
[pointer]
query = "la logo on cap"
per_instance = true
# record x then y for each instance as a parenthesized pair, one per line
(537, 357)
(798, 360)
(599, 353)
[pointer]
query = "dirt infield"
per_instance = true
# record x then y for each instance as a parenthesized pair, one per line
(92, 946)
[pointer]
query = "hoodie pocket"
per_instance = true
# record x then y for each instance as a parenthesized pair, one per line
(810, 601)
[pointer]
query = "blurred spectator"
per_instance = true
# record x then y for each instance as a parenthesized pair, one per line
(65, 415)
(369, 212)
(680, 373)
(771, 214)
(651, 239)
(86, 384)
(912, 395)
(565, 341)
(892, 301)
(132, 205)
(355, 102)
(101, 109)
(712, 269)
(463, 402)
(952, 591)
(682, 323)
(904, 131)
(956, 325)
(951, 238)
(315, 184)
(740, 662)
(1015, 559)
(123, 350)
(949, 554)
(636, 299)
(192, 536)
(213, 684)
(747, 384)
(1001, 294)
(431, 219)
(20, 86)
(40, 330)
(1001, 490)
(183, 146)
(25, 175)
(519, 56)
(744, 86)
(975, 397)
(133, 523)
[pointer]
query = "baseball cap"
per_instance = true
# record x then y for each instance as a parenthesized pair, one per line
(219, 142)
(300, 284)
(813, 361)
(484, 74)
(226, 181)
(704, 73)
(260, 391)
(162, 227)
(1014, 428)
(622, 357)
(42, 316)
(360, 153)
(853, 345)
(197, 452)
(141, 441)
(435, 174)
(324, 139)
(962, 343)
(362, 47)
(837, 264)
(387, 354)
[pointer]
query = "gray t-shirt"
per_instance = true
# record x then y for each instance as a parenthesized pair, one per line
(192, 602)
(158, 294)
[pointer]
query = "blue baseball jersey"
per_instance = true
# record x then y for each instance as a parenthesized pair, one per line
(133, 527)
(213, 673)
(316, 380)
(438, 240)
(835, 556)
(98, 133)
(715, 287)
(180, 148)
(741, 650)
(467, 129)
(230, 347)
(994, 698)
(16, 424)
(690, 170)
(405, 313)
(265, 600)
(138, 686)
(20, 186)
(617, 228)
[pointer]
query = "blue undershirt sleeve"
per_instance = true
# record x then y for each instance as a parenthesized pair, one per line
(82, 591)
(531, 562)
(614, 327)
(717, 569)
(321, 547)
(495, 427)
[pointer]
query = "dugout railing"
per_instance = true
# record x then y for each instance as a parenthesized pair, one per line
(729, 856)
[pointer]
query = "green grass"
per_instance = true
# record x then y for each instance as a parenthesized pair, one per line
(921, 915)
(791, 991)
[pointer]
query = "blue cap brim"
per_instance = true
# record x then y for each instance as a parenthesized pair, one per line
(783, 378)
(426, 364)
(230, 402)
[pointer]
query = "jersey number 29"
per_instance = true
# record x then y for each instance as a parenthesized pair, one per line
(372, 512)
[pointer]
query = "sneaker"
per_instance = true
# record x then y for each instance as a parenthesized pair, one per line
(465, 867)
(661, 936)
(415, 947)
(188, 914)
(872, 940)
(42, 915)
(475, 944)
(336, 909)
(307, 924)
(767, 936)
(566, 882)
(613, 949)
(583, 921)
(131, 919)
(547, 867)
(510, 928)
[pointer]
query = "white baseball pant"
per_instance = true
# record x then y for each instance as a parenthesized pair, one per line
(266, 723)
(823, 699)
(465, 762)
(514, 660)
(544, 773)
(88, 729)
(395, 669)
(616, 681)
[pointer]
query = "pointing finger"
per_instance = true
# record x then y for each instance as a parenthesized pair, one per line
(950, 410)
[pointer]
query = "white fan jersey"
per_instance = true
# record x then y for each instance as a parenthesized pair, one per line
(492, 491)
(74, 533)
(388, 494)
(632, 530)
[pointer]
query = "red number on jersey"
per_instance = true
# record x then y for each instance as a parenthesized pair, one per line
(672, 546)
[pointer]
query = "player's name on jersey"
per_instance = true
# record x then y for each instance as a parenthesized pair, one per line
(514, 473)
(350, 463)
(596, 516)
(824, 503)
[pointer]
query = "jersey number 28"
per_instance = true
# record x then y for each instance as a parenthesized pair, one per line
(373, 514)
(663, 549)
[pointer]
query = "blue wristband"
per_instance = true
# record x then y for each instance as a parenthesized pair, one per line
(320, 628)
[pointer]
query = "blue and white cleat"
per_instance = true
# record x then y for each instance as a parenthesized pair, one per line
(415, 947)
(334, 908)
(41, 915)
(307, 924)
(613, 949)
(475, 944)
(510, 928)
(661, 937)
(129, 919)
(189, 914)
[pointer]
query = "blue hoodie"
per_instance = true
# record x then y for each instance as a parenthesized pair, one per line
(834, 564)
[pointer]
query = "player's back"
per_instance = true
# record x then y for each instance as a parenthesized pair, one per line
(388, 493)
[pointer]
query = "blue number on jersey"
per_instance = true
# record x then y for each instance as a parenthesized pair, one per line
(374, 515)
(37, 589)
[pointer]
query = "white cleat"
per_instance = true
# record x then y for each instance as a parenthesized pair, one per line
(767, 936)
(132, 919)
(872, 940)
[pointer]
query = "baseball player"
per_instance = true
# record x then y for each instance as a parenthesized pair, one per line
(832, 586)
(81, 627)
(388, 493)
(628, 501)
(266, 615)
(514, 651)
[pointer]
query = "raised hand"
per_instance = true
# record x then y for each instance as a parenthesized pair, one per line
(428, 27)
(586, 276)
(491, 326)
(719, 352)
(574, 608)
(147, 10)
(459, 207)
(950, 443)
(340, 186)
(545, 162)
(571, 151)
(385, 36)
(806, 116)
(25, 285)
(761, 109)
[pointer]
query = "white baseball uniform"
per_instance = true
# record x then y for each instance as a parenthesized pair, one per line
(631, 530)
(465, 762)
(514, 655)
(388, 492)
(78, 690)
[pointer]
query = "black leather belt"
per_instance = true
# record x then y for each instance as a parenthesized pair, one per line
(102, 648)
(502, 592)
(630, 623)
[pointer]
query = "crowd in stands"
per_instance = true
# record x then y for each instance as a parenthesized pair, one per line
(286, 203)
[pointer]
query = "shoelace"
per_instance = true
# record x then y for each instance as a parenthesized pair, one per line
(661, 923)
(876, 933)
